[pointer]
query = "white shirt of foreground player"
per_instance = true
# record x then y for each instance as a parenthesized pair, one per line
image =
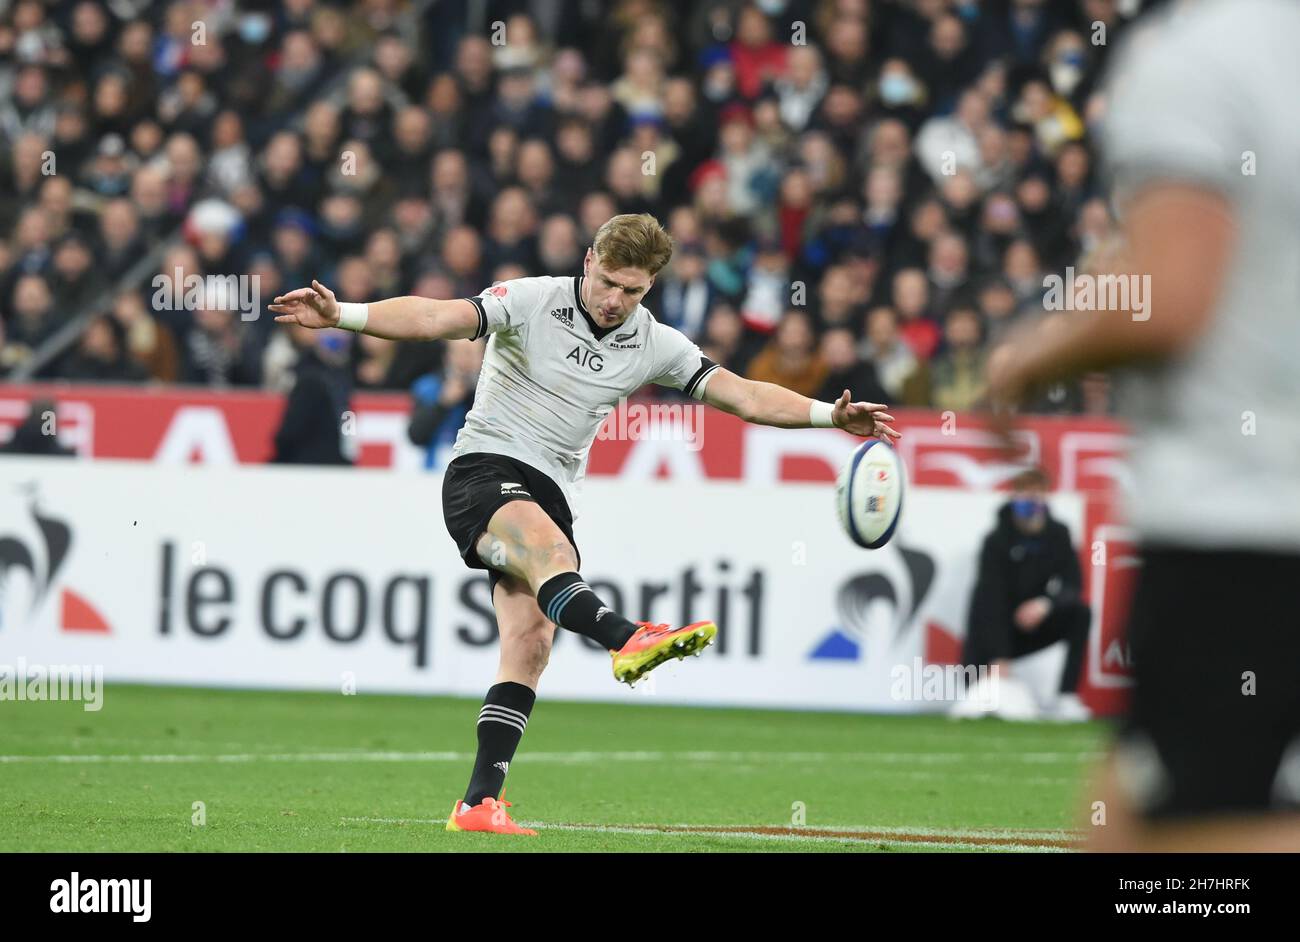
(1216, 447)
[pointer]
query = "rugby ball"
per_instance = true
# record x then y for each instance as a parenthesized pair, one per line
(869, 494)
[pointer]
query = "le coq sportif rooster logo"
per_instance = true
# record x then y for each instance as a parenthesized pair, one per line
(41, 552)
(42, 562)
(856, 596)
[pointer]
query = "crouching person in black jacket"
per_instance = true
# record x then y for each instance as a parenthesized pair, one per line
(1028, 592)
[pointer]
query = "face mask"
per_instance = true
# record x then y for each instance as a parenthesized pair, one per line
(1065, 77)
(1026, 508)
(334, 343)
(1066, 71)
(896, 90)
(254, 28)
(111, 185)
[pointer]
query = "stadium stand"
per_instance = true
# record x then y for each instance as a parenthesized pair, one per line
(860, 191)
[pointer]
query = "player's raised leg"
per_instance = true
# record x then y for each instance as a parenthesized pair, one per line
(526, 636)
(523, 541)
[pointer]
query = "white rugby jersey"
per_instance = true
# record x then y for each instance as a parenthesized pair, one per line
(551, 375)
(1208, 95)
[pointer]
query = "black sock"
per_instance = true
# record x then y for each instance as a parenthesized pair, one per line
(501, 725)
(569, 602)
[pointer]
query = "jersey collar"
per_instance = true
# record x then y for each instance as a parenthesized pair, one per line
(597, 331)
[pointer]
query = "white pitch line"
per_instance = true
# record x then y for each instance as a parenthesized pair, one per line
(248, 757)
(92, 740)
(896, 762)
(885, 758)
(954, 842)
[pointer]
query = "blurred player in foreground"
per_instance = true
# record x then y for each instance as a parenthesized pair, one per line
(562, 352)
(1203, 141)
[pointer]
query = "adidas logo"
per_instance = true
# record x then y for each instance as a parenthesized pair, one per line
(503, 766)
(564, 315)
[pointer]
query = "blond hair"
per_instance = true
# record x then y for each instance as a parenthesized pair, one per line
(633, 240)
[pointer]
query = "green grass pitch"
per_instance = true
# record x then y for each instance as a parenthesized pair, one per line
(325, 772)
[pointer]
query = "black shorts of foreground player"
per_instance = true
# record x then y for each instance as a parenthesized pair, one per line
(561, 352)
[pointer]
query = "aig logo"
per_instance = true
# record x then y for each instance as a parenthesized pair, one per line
(584, 357)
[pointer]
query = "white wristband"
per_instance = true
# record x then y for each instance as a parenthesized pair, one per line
(353, 316)
(820, 415)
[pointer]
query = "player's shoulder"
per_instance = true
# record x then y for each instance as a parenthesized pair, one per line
(531, 286)
(1189, 38)
(1208, 22)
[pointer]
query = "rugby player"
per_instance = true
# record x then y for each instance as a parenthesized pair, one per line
(1203, 143)
(561, 352)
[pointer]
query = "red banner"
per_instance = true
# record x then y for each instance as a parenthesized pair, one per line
(184, 425)
(176, 425)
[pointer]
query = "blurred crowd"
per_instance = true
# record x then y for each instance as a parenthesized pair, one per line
(864, 194)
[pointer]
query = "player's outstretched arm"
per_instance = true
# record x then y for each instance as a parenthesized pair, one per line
(770, 404)
(407, 318)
